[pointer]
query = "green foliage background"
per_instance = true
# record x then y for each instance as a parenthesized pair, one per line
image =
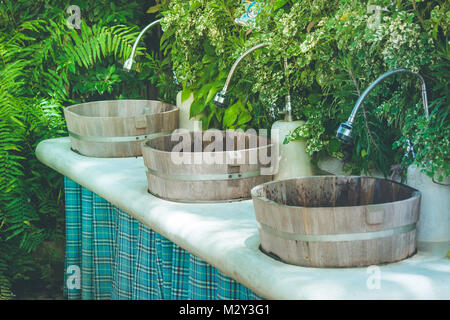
(44, 66)
(334, 52)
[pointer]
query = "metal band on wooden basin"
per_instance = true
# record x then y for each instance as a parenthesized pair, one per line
(338, 237)
(117, 139)
(205, 177)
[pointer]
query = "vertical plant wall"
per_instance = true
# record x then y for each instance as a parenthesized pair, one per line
(335, 49)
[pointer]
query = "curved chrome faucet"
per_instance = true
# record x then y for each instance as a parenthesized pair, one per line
(345, 129)
(221, 99)
(129, 62)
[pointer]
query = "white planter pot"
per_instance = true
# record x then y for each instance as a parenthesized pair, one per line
(336, 167)
(185, 107)
(293, 159)
(434, 219)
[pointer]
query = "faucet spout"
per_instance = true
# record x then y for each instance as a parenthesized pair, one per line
(221, 99)
(345, 129)
(129, 62)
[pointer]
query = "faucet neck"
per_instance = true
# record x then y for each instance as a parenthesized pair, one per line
(352, 116)
(129, 62)
(233, 68)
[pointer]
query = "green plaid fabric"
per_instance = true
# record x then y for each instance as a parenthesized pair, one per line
(73, 239)
(111, 255)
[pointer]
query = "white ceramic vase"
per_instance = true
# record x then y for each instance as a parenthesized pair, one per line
(434, 219)
(184, 121)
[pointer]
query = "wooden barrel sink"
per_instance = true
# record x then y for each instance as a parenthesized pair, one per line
(185, 167)
(337, 221)
(116, 128)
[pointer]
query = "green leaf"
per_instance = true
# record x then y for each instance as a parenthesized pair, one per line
(314, 98)
(15, 233)
(71, 67)
(231, 114)
(195, 6)
(244, 117)
(211, 93)
(278, 4)
(20, 123)
(154, 9)
(185, 94)
(210, 116)
(196, 108)
(363, 153)
(167, 34)
(203, 90)
(334, 146)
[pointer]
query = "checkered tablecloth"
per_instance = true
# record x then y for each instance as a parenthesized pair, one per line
(111, 255)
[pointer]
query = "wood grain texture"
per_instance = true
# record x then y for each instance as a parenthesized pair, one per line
(118, 118)
(159, 153)
(335, 205)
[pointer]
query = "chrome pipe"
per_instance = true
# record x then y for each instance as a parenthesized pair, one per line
(345, 129)
(221, 99)
(129, 62)
(233, 68)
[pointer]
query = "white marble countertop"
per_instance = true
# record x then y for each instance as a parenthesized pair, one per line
(225, 235)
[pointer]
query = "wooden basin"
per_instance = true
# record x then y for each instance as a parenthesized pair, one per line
(196, 172)
(116, 128)
(337, 221)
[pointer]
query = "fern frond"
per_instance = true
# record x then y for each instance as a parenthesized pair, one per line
(5, 284)
(93, 44)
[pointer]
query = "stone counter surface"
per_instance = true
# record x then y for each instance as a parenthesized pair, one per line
(225, 235)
